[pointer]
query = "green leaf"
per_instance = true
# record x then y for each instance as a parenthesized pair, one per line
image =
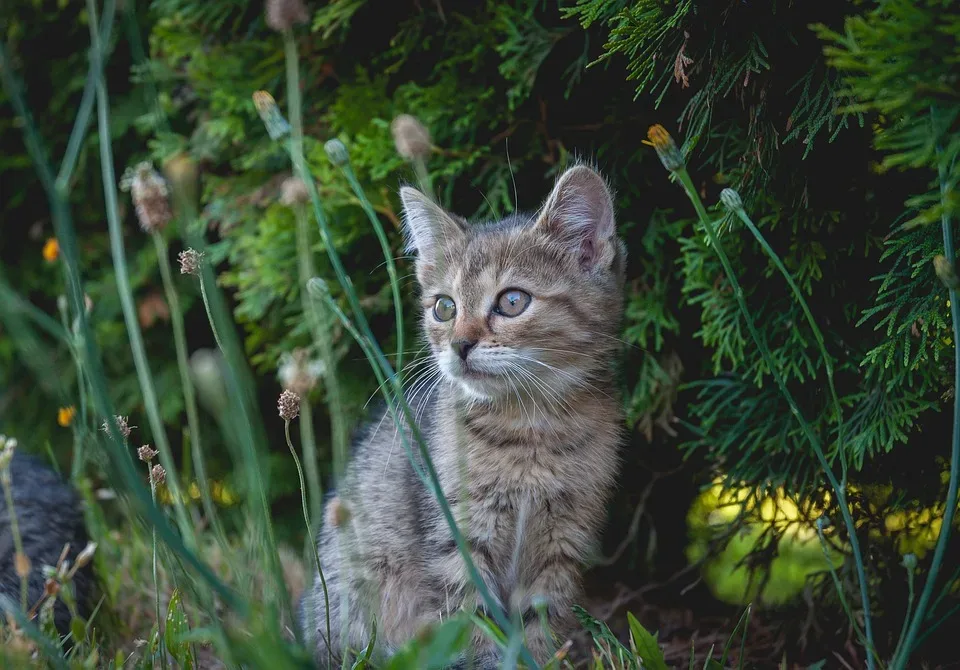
(646, 645)
(78, 629)
(177, 626)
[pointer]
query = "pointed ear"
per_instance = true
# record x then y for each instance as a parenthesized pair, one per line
(579, 213)
(428, 227)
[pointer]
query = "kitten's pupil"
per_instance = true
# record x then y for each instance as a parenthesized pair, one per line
(444, 309)
(513, 302)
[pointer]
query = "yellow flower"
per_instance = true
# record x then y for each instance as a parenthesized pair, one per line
(65, 415)
(51, 250)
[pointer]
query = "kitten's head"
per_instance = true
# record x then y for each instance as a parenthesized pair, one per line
(529, 304)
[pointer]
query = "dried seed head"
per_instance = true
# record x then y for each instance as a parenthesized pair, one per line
(51, 587)
(289, 405)
(317, 288)
(122, 425)
(293, 192)
(191, 261)
(337, 152)
(282, 15)
(411, 137)
(298, 373)
(85, 556)
(158, 474)
(150, 196)
(946, 272)
(667, 150)
(22, 565)
(731, 199)
(146, 454)
(277, 126)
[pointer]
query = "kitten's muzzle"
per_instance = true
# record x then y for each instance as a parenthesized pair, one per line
(462, 347)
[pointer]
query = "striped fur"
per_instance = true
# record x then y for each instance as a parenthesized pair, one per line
(524, 433)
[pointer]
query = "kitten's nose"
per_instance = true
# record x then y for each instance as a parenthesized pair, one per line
(463, 347)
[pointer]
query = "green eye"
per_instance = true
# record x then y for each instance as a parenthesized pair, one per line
(512, 302)
(444, 309)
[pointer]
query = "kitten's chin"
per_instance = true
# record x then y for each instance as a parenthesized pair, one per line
(478, 389)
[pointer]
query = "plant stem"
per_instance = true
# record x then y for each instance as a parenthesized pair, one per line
(186, 383)
(156, 573)
(126, 297)
(817, 334)
(910, 598)
(306, 520)
(903, 653)
(17, 539)
(687, 183)
(334, 402)
(387, 257)
(253, 472)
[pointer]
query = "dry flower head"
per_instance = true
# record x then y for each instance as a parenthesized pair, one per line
(288, 405)
(191, 261)
(146, 453)
(282, 15)
(150, 196)
(411, 137)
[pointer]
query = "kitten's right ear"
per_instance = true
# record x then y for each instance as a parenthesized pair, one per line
(429, 228)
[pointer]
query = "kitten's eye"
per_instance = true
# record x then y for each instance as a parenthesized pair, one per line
(512, 302)
(444, 309)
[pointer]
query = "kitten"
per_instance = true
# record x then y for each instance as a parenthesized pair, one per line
(518, 408)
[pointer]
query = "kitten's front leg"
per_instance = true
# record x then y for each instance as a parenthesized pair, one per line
(551, 574)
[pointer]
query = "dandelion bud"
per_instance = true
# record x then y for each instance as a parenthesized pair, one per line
(731, 199)
(293, 192)
(122, 425)
(289, 405)
(8, 446)
(183, 175)
(146, 454)
(946, 272)
(157, 474)
(336, 152)
(317, 288)
(411, 137)
(666, 148)
(207, 377)
(85, 556)
(150, 196)
(22, 565)
(282, 15)
(190, 262)
(277, 126)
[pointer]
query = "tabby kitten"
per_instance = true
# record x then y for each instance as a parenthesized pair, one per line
(521, 418)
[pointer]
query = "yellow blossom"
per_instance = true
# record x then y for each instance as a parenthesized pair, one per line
(51, 250)
(65, 415)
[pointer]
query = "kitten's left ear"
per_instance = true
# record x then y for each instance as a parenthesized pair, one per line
(579, 211)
